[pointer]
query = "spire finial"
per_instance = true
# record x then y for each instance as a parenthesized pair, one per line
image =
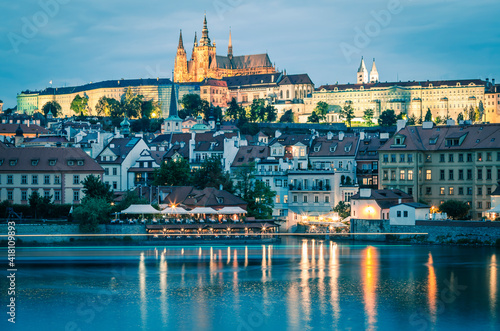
(204, 40)
(181, 43)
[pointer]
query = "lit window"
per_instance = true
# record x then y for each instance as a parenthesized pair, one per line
(428, 175)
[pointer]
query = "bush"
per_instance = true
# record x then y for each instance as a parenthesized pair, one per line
(456, 210)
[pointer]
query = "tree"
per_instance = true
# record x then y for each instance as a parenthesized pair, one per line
(129, 198)
(93, 187)
(271, 113)
(455, 209)
(91, 212)
(368, 116)
(150, 109)
(79, 105)
(460, 117)
(387, 118)
(257, 111)
(192, 105)
(438, 120)
(480, 111)
(428, 115)
(234, 111)
(343, 209)
(52, 107)
(39, 205)
(314, 118)
(412, 120)
(287, 117)
(258, 196)
(173, 173)
(115, 108)
(212, 174)
(347, 113)
(321, 109)
(102, 107)
(131, 104)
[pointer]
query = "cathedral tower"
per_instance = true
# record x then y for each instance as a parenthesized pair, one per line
(374, 73)
(230, 47)
(180, 66)
(362, 73)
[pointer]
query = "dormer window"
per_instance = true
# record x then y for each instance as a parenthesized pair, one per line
(13, 162)
(347, 149)
(52, 162)
(316, 148)
(1, 162)
(71, 162)
(34, 162)
(79, 162)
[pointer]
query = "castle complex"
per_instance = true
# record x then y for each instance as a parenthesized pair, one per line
(205, 63)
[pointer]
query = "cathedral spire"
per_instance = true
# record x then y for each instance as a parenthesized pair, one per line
(230, 46)
(362, 77)
(195, 40)
(374, 73)
(181, 43)
(204, 40)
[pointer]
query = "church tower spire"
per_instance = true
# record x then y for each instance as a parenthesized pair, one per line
(181, 43)
(230, 46)
(374, 73)
(180, 66)
(195, 40)
(362, 73)
(204, 40)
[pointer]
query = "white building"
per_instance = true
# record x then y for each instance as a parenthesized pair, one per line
(407, 213)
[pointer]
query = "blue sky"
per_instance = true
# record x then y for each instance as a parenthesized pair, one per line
(74, 42)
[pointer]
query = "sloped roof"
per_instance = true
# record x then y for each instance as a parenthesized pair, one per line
(479, 136)
(369, 146)
(394, 194)
(10, 129)
(191, 197)
(252, 80)
(324, 145)
(36, 159)
(296, 79)
(244, 61)
(292, 139)
(247, 154)
(121, 148)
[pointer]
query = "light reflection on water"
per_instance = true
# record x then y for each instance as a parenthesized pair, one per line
(301, 285)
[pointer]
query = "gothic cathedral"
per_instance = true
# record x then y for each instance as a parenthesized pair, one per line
(205, 63)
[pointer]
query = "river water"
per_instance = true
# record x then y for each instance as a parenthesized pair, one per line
(296, 285)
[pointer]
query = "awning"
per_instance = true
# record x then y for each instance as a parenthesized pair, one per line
(203, 210)
(231, 210)
(140, 209)
(174, 210)
(495, 210)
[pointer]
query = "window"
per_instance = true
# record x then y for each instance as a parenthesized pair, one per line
(386, 174)
(450, 158)
(479, 191)
(115, 171)
(46, 194)
(10, 196)
(57, 179)
(24, 179)
(479, 205)
(441, 174)
(76, 195)
(401, 158)
(488, 190)
(469, 190)
(460, 158)
(441, 157)
(106, 171)
(401, 175)
(410, 174)
(76, 179)
(285, 199)
(393, 158)
(295, 199)
(450, 191)
(393, 175)
(460, 174)
(24, 195)
(479, 157)
(316, 198)
(57, 195)
(305, 198)
(469, 157)
(327, 199)
(410, 190)
(428, 158)
(480, 174)
(488, 173)
(410, 158)
(268, 183)
(386, 157)
(428, 175)
(34, 179)
(9, 179)
(398, 213)
(375, 180)
(405, 213)
(115, 185)
(469, 174)
(46, 179)
(460, 191)
(441, 190)
(488, 156)
(451, 174)
(279, 183)
(277, 199)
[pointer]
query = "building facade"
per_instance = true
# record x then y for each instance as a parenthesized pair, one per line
(55, 172)
(439, 163)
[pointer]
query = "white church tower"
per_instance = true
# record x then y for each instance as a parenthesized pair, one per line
(374, 73)
(362, 73)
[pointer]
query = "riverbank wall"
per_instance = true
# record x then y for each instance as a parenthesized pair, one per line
(430, 232)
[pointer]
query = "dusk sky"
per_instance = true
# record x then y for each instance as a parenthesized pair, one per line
(72, 42)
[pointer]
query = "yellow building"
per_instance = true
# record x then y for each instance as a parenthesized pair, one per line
(205, 63)
(492, 104)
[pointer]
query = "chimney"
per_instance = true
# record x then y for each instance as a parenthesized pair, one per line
(365, 192)
(493, 81)
(450, 122)
(427, 125)
(400, 125)
(277, 133)
(341, 135)
(362, 135)
(399, 201)
(329, 135)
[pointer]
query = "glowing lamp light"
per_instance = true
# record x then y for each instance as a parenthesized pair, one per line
(369, 210)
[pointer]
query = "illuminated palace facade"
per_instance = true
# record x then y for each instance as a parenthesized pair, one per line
(445, 98)
(205, 63)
